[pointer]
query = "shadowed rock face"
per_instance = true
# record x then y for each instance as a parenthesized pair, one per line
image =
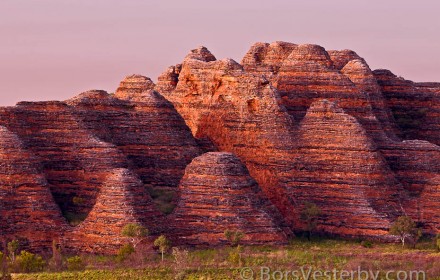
(144, 126)
(415, 106)
(28, 211)
(217, 194)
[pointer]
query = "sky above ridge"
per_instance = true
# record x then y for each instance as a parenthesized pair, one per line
(55, 49)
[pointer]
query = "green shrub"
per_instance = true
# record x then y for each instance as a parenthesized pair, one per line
(125, 251)
(163, 199)
(28, 262)
(74, 219)
(234, 237)
(75, 263)
(367, 244)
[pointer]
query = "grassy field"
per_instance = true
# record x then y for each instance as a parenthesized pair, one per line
(236, 263)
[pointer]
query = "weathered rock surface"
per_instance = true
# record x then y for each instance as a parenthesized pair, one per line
(345, 174)
(28, 211)
(74, 161)
(240, 113)
(415, 106)
(144, 126)
(307, 125)
(215, 99)
(123, 200)
(217, 194)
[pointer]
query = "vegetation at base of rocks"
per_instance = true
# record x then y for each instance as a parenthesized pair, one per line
(28, 262)
(135, 232)
(12, 249)
(234, 237)
(163, 198)
(75, 263)
(216, 263)
(309, 215)
(124, 252)
(163, 243)
(367, 244)
(73, 218)
(405, 228)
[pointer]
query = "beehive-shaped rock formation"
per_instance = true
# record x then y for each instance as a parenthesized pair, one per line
(344, 173)
(28, 211)
(144, 126)
(217, 194)
(123, 200)
(74, 161)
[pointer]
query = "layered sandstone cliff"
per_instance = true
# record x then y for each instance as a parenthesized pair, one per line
(217, 195)
(67, 150)
(28, 211)
(123, 200)
(302, 123)
(257, 110)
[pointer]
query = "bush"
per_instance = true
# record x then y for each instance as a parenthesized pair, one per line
(234, 237)
(28, 262)
(125, 251)
(75, 263)
(367, 244)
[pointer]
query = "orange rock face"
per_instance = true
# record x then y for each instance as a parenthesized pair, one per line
(123, 200)
(28, 211)
(257, 110)
(144, 126)
(344, 173)
(217, 194)
(67, 150)
(302, 123)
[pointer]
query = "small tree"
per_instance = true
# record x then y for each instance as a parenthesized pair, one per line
(309, 215)
(163, 243)
(12, 249)
(234, 237)
(404, 227)
(135, 232)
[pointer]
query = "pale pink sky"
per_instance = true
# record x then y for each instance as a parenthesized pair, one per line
(55, 49)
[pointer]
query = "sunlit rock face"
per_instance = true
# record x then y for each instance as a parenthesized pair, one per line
(233, 146)
(265, 111)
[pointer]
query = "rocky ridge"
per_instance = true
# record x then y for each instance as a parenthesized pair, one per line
(290, 124)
